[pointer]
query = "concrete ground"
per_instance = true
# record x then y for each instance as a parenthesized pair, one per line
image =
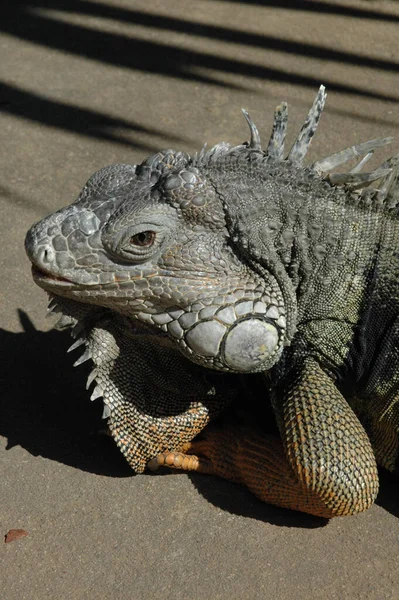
(86, 84)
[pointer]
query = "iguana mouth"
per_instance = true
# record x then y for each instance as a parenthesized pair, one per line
(40, 274)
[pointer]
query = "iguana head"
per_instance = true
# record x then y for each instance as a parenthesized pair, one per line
(163, 242)
(152, 242)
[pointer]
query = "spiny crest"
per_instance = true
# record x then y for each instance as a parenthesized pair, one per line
(81, 335)
(354, 180)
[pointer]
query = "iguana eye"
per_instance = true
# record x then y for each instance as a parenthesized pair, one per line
(144, 238)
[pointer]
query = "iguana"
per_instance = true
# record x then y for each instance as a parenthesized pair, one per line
(178, 273)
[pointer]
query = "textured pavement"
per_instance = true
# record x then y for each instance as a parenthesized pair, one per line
(87, 84)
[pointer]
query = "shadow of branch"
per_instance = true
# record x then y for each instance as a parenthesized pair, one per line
(24, 22)
(83, 121)
(326, 8)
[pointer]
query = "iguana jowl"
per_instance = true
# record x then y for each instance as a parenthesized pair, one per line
(242, 261)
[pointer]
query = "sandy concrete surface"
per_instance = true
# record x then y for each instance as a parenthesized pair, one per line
(87, 84)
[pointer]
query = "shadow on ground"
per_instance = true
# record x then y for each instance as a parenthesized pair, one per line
(75, 119)
(46, 411)
(237, 500)
(368, 11)
(45, 23)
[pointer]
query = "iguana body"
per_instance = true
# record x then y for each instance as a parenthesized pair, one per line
(242, 261)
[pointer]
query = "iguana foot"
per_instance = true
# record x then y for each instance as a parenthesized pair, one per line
(211, 454)
(182, 461)
(219, 451)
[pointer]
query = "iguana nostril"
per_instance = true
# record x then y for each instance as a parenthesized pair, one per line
(45, 254)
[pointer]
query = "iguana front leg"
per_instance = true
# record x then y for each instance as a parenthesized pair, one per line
(154, 398)
(324, 464)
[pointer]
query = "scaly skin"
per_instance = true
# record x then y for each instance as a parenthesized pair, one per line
(245, 262)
